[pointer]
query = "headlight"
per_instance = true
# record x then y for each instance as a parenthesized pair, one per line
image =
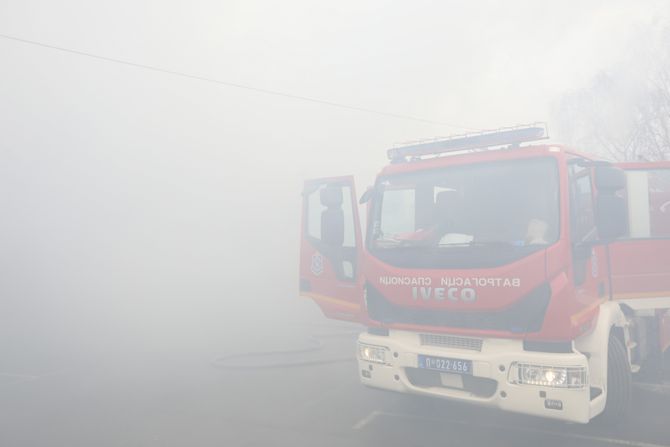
(372, 353)
(552, 376)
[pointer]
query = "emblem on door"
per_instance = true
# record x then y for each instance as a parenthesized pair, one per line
(317, 264)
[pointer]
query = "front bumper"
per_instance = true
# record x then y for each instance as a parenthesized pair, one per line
(488, 385)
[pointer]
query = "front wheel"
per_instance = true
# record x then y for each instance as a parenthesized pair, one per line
(619, 382)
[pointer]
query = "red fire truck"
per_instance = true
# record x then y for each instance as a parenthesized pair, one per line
(498, 271)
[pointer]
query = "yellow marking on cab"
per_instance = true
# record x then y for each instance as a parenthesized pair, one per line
(332, 300)
(574, 318)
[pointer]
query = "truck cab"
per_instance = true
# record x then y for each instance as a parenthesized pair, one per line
(497, 273)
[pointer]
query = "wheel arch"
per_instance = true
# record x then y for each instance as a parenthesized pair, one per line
(611, 320)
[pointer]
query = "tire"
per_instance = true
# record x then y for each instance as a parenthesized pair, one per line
(619, 382)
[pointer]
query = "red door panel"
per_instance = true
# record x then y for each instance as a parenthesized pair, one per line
(640, 268)
(640, 262)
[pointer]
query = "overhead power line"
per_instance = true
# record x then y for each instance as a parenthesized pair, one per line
(231, 84)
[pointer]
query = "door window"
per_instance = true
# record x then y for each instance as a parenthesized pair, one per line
(329, 208)
(582, 220)
(330, 225)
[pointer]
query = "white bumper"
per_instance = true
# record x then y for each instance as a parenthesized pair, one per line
(488, 385)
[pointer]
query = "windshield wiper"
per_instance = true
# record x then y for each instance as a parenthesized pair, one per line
(473, 243)
(493, 243)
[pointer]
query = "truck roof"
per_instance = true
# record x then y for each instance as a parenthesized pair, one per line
(481, 156)
(663, 164)
(480, 147)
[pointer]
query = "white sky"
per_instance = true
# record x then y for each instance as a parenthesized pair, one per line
(146, 176)
(478, 64)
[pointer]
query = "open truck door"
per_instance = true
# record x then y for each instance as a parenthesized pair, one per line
(330, 247)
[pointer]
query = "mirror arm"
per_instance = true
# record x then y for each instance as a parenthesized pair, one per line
(367, 195)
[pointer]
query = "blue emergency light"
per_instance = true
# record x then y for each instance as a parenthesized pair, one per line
(485, 139)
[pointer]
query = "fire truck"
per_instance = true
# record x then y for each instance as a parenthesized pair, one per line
(498, 269)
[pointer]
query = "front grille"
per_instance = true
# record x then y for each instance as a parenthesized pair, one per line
(450, 341)
(525, 315)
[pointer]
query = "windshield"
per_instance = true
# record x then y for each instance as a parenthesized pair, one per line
(508, 207)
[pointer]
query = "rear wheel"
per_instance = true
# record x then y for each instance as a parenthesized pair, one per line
(619, 382)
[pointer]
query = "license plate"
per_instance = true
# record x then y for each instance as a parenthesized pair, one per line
(445, 364)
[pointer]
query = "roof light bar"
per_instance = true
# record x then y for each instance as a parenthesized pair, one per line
(499, 137)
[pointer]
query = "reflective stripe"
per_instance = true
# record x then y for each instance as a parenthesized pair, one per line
(657, 294)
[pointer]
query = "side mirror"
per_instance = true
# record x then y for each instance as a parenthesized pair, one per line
(611, 217)
(611, 213)
(367, 195)
(609, 179)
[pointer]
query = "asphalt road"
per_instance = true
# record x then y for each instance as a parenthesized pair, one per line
(167, 388)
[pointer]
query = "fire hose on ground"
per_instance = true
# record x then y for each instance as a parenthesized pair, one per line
(265, 359)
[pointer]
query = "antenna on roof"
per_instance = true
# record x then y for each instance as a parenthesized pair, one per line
(488, 138)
